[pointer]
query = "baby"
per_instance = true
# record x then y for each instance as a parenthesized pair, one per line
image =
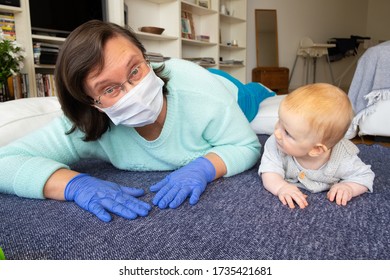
(307, 149)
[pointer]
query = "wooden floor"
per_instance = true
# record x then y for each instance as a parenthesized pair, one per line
(369, 140)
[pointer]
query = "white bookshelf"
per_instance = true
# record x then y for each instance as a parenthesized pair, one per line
(23, 36)
(220, 28)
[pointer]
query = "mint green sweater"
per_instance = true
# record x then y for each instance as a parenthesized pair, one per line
(202, 117)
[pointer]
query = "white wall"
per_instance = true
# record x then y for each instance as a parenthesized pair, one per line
(317, 19)
(378, 26)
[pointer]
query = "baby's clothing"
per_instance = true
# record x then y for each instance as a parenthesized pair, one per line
(344, 165)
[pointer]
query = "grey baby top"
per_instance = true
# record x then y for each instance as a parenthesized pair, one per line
(344, 165)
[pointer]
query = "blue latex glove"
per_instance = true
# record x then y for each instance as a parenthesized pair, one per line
(190, 180)
(97, 196)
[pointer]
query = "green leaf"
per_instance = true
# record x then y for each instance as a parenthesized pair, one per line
(2, 257)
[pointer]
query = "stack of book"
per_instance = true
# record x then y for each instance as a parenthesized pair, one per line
(232, 62)
(203, 38)
(154, 57)
(202, 61)
(7, 25)
(45, 53)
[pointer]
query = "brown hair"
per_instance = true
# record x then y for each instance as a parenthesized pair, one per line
(82, 53)
(326, 107)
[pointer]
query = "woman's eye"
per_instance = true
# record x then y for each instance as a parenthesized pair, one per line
(135, 73)
(109, 90)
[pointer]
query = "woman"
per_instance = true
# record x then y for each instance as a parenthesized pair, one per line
(119, 108)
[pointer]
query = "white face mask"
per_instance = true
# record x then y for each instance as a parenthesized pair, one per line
(141, 105)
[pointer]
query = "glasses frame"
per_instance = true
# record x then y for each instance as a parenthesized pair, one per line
(121, 86)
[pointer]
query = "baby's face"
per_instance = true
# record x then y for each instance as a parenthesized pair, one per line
(294, 134)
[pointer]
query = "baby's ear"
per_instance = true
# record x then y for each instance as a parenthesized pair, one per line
(318, 150)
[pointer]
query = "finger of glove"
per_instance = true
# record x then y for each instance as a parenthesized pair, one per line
(180, 197)
(159, 185)
(133, 191)
(118, 209)
(138, 206)
(161, 193)
(196, 193)
(99, 211)
(168, 196)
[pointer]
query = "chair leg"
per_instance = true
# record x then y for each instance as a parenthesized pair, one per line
(330, 69)
(307, 61)
(293, 68)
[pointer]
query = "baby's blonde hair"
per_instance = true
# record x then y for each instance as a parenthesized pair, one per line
(326, 108)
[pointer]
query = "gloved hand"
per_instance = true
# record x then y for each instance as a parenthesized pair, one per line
(190, 180)
(97, 196)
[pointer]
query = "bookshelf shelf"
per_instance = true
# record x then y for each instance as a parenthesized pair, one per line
(195, 9)
(48, 39)
(197, 42)
(10, 9)
(149, 36)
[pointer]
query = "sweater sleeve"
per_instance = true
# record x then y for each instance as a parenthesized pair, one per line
(27, 163)
(233, 139)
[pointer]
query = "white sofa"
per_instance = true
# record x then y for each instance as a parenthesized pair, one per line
(22, 116)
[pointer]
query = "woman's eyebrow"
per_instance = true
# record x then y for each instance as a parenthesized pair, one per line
(107, 81)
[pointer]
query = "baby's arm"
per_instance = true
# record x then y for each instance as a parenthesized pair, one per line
(344, 191)
(357, 178)
(286, 192)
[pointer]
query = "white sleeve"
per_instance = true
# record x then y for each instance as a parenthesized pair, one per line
(271, 160)
(355, 170)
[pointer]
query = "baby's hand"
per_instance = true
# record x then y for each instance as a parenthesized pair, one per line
(289, 193)
(342, 192)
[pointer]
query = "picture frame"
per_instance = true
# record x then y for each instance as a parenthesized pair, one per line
(187, 25)
(204, 3)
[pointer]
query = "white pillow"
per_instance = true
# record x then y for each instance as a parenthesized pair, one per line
(22, 116)
(265, 120)
(377, 121)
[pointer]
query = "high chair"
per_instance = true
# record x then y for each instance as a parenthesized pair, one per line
(311, 51)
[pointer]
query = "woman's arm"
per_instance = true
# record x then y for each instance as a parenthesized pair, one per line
(219, 164)
(55, 185)
(28, 163)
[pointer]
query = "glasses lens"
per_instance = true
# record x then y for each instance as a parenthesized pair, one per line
(138, 73)
(135, 76)
(113, 91)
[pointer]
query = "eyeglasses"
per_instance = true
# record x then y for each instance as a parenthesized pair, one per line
(135, 76)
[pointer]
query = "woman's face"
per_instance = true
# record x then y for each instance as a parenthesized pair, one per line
(122, 61)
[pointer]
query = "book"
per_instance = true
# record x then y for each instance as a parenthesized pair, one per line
(7, 25)
(45, 85)
(45, 53)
